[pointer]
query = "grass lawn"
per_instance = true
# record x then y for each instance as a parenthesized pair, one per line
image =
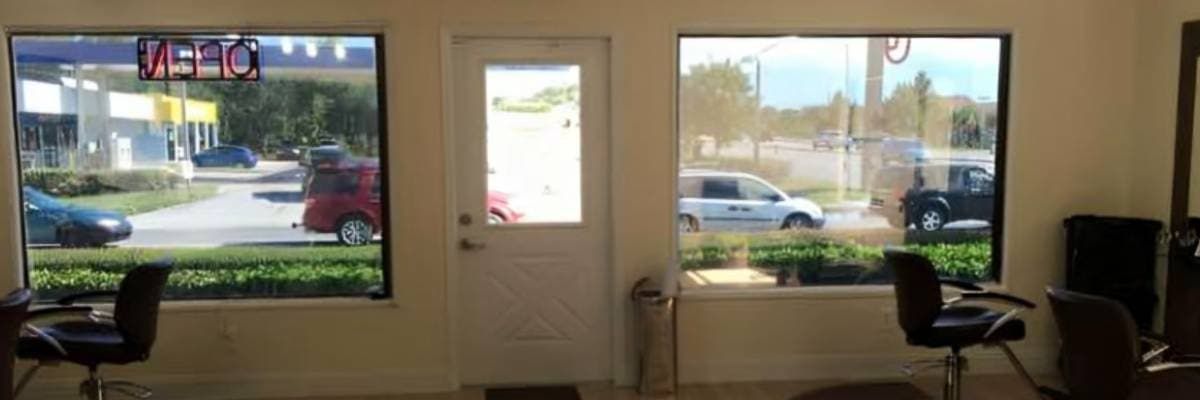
(828, 197)
(131, 203)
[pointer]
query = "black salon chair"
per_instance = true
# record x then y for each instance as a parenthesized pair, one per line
(12, 316)
(1103, 358)
(88, 337)
(930, 321)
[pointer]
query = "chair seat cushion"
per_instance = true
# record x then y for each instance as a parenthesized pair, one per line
(964, 326)
(86, 342)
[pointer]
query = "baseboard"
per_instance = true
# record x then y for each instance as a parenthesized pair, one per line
(257, 386)
(851, 367)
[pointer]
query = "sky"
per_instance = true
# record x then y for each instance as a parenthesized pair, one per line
(800, 72)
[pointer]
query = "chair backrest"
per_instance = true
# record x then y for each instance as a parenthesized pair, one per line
(136, 309)
(918, 292)
(12, 316)
(1099, 345)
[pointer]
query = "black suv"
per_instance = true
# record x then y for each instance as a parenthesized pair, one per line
(929, 196)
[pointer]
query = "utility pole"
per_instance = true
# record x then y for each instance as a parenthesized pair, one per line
(870, 157)
(758, 104)
(186, 161)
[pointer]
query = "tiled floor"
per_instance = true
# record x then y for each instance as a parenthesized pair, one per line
(993, 387)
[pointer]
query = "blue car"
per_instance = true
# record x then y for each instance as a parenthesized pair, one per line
(49, 221)
(226, 156)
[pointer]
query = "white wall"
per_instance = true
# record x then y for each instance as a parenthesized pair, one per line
(1069, 138)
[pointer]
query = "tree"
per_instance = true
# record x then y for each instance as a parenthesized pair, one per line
(923, 88)
(914, 109)
(715, 101)
(965, 127)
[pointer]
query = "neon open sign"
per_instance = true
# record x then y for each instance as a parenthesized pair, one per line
(175, 59)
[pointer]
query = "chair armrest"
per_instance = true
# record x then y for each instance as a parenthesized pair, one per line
(1189, 359)
(1157, 344)
(39, 313)
(43, 336)
(994, 296)
(1166, 366)
(960, 284)
(71, 299)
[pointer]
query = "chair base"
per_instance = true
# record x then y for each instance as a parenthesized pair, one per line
(952, 386)
(955, 363)
(92, 388)
(96, 388)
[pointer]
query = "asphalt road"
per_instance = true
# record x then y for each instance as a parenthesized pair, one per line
(259, 206)
(251, 207)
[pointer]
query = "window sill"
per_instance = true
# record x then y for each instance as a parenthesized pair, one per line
(185, 306)
(856, 292)
(750, 284)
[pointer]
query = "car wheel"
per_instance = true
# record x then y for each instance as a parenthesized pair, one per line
(354, 230)
(495, 219)
(931, 219)
(72, 239)
(687, 224)
(68, 239)
(797, 222)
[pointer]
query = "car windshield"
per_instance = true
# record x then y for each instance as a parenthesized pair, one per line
(41, 200)
(334, 183)
(324, 154)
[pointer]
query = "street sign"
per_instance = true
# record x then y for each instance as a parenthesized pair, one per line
(198, 59)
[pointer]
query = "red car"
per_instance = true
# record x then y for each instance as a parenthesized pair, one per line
(346, 199)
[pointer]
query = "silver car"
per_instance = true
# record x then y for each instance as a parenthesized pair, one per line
(735, 201)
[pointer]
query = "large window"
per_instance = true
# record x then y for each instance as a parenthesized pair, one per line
(801, 158)
(262, 185)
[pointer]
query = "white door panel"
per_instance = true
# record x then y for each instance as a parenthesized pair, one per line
(531, 123)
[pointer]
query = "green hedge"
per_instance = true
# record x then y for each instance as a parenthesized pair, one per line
(970, 261)
(811, 257)
(708, 256)
(216, 272)
(71, 183)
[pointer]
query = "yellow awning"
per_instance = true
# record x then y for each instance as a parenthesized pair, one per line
(167, 110)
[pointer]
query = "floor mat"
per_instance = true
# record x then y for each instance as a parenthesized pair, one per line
(532, 393)
(866, 391)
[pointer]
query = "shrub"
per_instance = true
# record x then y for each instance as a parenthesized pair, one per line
(810, 257)
(969, 261)
(218, 272)
(523, 106)
(71, 183)
(702, 257)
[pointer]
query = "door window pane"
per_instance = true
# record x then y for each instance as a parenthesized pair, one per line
(533, 143)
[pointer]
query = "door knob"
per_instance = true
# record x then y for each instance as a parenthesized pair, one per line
(470, 245)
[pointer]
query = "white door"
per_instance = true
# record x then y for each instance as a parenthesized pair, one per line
(530, 123)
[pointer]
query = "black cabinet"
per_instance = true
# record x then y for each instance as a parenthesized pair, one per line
(1115, 258)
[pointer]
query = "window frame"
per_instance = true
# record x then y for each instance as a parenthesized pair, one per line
(999, 176)
(387, 290)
